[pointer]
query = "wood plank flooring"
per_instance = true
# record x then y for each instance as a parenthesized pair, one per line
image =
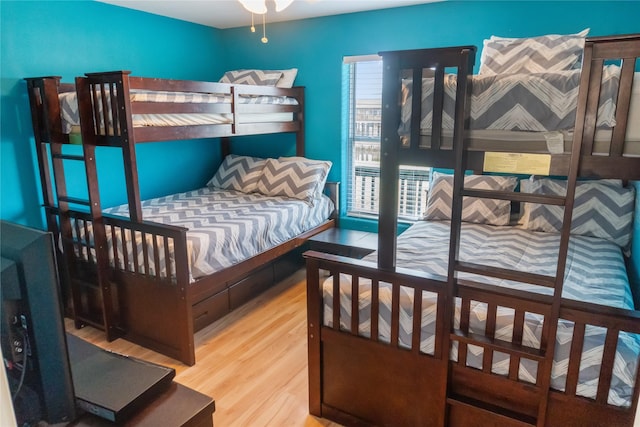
(253, 362)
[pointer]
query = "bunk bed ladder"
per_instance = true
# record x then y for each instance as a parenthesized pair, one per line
(507, 411)
(93, 284)
(104, 287)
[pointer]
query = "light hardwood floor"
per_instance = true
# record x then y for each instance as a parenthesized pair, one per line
(253, 362)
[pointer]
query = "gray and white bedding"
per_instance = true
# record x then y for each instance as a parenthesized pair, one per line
(536, 102)
(70, 117)
(225, 226)
(600, 279)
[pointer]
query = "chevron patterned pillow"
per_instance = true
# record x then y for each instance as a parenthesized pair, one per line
(549, 53)
(252, 77)
(476, 210)
(294, 177)
(240, 173)
(602, 208)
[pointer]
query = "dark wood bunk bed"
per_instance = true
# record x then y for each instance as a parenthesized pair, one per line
(151, 299)
(368, 361)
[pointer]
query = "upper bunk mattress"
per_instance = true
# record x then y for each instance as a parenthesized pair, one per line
(71, 119)
(524, 109)
(225, 227)
(599, 279)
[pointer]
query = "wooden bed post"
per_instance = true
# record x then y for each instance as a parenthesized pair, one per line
(47, 130)
(314, 322)
(89, 130)
(300, 135)
(225, 146)
(104, 97)
(388, 194)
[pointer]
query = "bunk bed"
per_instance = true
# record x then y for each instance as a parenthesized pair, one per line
(467, 317)
(144, 271)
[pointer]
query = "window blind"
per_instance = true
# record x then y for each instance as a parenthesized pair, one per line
(362, 96)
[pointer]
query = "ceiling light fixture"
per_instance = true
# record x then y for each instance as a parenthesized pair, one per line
(259, 7)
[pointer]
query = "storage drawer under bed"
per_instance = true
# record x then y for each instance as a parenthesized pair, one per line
(210, 309)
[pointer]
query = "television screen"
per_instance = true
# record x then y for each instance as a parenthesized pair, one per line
(32, 328)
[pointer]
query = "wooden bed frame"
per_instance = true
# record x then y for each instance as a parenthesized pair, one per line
(156, 312)
(357, 380)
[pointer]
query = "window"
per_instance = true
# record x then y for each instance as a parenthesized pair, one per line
(363, 96)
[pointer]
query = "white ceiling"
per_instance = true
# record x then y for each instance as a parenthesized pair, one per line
(231, 14)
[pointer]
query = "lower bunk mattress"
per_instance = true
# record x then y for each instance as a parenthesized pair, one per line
(225, 227)
(600, 279)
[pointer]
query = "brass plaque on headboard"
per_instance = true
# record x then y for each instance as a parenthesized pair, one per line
(520, 163)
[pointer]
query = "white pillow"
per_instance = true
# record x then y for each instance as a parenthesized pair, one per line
(287, 79)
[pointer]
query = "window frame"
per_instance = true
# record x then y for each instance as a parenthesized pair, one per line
(362, 169)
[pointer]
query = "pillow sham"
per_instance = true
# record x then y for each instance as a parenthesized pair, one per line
(252, 77)
(602, 208)
(548, 53)
(287, 79)
(474, 209)
(297, 178)
(240, 173)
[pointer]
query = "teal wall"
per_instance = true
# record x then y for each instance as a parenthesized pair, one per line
(68, 38)
(49, 37)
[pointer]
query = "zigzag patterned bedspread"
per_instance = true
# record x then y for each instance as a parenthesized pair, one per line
(600, 279)
(538, 102)
(227, 227)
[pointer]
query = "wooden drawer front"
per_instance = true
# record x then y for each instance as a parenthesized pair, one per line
(461, 415)
(250, 286)
(210, 309)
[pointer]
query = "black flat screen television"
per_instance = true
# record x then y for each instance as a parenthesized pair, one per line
(32, 328)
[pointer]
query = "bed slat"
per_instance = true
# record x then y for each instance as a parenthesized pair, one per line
(465, 308)
(395, 313)
(518, 328)
(336, 302)
(489, 332)
(573, 370)
(355, 302)
(608, 358)
(375, 309)
(622, 106)
(417, 321)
